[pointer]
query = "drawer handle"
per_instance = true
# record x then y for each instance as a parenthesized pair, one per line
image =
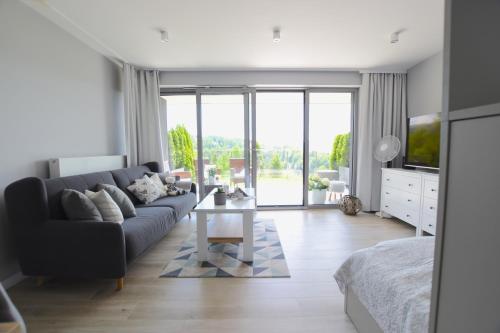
(387, 193)
(386, 206)
(433, 190)
(431, 208)
(409, 200)
(408, 215)
(430, 225)
(410, 185)
(388, 179)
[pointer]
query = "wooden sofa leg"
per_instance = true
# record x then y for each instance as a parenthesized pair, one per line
(189, 215)
(119, 284)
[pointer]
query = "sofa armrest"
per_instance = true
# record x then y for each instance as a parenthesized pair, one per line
(26, 203)
(81, 248)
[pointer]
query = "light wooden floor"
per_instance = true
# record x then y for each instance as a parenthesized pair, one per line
(315, 242)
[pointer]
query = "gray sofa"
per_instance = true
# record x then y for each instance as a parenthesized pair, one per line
(51, 245)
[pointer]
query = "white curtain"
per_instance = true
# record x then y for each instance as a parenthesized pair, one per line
(382, 111)
(143, 130)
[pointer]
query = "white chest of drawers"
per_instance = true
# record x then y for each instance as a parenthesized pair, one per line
(410, 196)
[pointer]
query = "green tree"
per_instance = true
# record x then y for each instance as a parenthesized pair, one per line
(181, 148)
(340, 151)
(276, 163)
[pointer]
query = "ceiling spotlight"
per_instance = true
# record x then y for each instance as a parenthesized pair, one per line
(164, 36)
(276, 35)
(395, 36)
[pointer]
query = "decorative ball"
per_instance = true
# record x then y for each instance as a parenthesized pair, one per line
(350, 205)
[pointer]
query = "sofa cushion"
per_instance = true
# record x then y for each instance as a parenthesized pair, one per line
(149, 226)
(181, 204)
(55, 186)
(125, 177)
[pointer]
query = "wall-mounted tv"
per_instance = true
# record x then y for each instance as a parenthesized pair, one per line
(422, 142)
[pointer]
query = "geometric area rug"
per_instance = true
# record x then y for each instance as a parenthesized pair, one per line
(269, 259)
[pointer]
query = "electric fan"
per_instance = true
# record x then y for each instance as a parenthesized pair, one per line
(387, 149)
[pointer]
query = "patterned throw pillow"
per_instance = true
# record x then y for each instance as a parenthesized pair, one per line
(155, 178)
(145, 190)
(107, 207)
(162, 175)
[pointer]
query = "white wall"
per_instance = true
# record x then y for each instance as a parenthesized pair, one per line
(260, 78)
(425, 86)
(57, 98)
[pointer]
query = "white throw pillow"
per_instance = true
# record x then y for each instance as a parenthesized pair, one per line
(155, 178)
(145, 190)
(107, 207)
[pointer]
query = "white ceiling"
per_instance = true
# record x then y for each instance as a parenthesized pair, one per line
(237, 34)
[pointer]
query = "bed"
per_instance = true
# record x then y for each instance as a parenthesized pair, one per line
(387, 287)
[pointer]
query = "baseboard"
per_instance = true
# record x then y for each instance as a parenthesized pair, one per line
(13, 280)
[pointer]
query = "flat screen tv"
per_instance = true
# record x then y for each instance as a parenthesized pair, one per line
(422, 142)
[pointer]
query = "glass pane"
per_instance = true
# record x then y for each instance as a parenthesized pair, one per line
(329, 146)
(223, 139)
(279, 144)
(182, 134)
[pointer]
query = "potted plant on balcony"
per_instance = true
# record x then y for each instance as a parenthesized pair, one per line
(318, 187)
(220, 197)
(211, 176)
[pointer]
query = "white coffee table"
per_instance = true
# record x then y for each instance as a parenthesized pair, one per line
(232, 223)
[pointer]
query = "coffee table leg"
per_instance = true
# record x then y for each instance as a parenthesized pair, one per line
(248, 236)
(201, 234)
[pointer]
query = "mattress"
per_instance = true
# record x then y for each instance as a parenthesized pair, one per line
(393, 281)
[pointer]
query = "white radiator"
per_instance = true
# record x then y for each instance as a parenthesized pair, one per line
(70, 166)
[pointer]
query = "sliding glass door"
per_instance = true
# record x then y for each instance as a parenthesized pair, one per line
(330, 122)
(279, 142)
(224, 139)
(293, 146)
(182, 135)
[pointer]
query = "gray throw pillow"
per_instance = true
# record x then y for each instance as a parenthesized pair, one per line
(121, 199)
(77, 206)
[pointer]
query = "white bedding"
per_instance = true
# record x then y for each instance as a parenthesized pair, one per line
(393, 281)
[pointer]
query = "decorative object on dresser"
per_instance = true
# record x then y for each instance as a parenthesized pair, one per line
(410, 196)
(350, 205)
